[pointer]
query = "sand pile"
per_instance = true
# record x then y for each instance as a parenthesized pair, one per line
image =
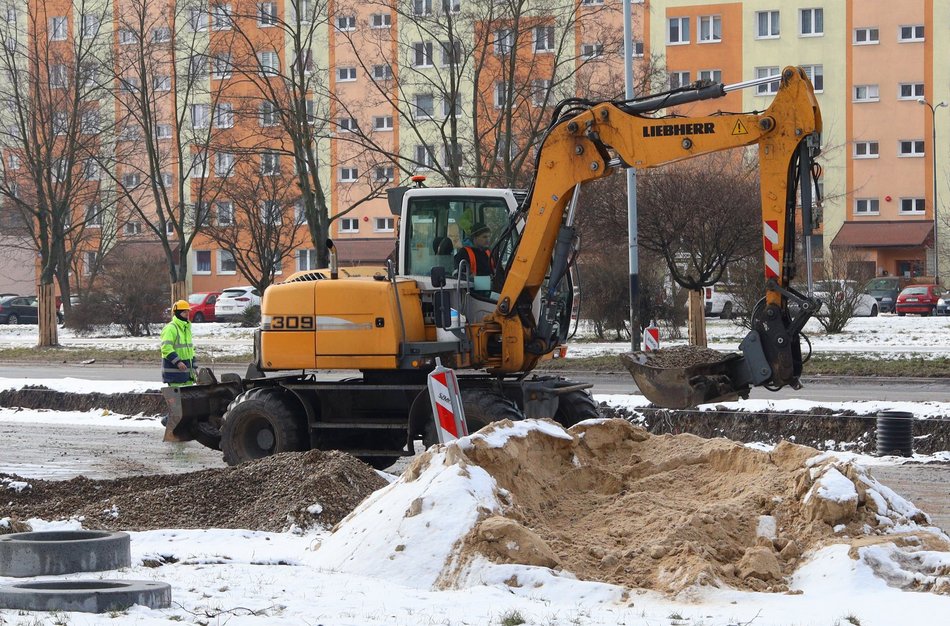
(609, 502)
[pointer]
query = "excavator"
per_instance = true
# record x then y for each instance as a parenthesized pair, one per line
(342, 363)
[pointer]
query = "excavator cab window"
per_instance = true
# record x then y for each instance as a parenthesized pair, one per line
(439, 227)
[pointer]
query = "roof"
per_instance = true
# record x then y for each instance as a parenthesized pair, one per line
(883, 234)
(365, 251)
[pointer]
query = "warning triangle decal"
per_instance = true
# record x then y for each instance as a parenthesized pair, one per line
(739, 128)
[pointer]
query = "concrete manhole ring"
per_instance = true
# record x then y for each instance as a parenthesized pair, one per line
(50, 553)
(86, 596)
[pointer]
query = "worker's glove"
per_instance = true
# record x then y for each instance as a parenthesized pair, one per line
(182, 366)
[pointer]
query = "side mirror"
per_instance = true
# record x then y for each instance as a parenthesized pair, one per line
(437, 276)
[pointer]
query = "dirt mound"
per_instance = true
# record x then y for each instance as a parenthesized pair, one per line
(271, 494)
(40, 397)
(618, 505)
(820, 428)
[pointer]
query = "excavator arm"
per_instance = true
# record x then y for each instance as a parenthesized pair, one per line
(607, 137)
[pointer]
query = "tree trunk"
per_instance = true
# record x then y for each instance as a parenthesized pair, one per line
(697, 319)
(48, 337)
(179, 291)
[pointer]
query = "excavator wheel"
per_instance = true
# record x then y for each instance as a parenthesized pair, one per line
(482, 407)
(259, 423)
(574, 407)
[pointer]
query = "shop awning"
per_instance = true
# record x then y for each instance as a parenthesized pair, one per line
(884, 234)
(363, 251)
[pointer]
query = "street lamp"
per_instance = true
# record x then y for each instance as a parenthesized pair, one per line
(933, 155)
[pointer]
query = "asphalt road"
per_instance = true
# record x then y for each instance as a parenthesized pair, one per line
(831, 389)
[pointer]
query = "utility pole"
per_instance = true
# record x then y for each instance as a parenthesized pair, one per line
(933, 156)
(634, 255)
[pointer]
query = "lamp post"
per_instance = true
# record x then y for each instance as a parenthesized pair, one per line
(933, 155)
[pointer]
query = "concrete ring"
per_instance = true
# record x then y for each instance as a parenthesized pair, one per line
(50, 553)
(85, 596)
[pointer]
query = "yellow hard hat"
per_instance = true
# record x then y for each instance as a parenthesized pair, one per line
(181, 305)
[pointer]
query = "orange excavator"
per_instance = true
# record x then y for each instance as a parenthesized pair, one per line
(381, 335)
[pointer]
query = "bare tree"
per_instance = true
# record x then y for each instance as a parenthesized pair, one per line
(700, 216)
(50, 95)
(259, 226)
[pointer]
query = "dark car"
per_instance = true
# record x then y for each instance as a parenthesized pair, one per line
(920, 299)
(202, 306)
(20, 310)
(885, 290)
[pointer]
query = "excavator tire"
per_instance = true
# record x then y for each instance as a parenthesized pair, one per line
(574, 407)
(260, 422)
(482, 407)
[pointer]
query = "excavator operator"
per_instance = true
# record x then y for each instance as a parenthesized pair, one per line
(477, 253)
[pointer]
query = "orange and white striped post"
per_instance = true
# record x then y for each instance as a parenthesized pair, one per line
(446, 403)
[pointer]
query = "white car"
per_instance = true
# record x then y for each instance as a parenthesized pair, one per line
(233, 301)
(866, 305)
(720, 302)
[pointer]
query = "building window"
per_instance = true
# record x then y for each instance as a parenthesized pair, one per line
(90, 170)
(58, 76)
(347, 124)
(92, 261)
(866, 206)
(163, 131)
(270, 164)
(712, 76)
(270, 212)
(130, 180)
(129, 84)
(226, 263)
(383, 122)
(770, 87)
(911, 148)
(269, 114)
(13, 162)
(198, 19)
(221, 16)
(349, 225)
(268, 63)
(306, 260)
(58, 27)
(383, 173)
(162, 34)
(540, 91)
(543, 38)
(812, 22)
(592, 50)
(816, 74)
(422, 54)
(709, 29)
(345, 74)
(678, 31)
(223, 115)
(451, 53)
(637, 49)
(866, 36)
(199, 164)
(767, 25)
(266, 14)
(866, 93)
(162, 83)
(90, 24)
(224, 212)
(200, 116)
(202, 261)
(381, 20)
(384, 225)
(910, 91)
(221, 66)
(447, 156)
(421, 7)
(911, 33)
(223, 164)
(382, 72)
(346, 22)
(197, 67)
(866, 150)
(504, 41)
(167, 179)
(501, 94)
(424, 106)
(912, 206)
(94, 215)
(679, 79)
(448, 109)
(348, 175)
(424, 157)
(133, 228)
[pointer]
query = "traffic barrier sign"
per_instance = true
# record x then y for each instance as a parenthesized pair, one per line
(446, 403)
(651, 339)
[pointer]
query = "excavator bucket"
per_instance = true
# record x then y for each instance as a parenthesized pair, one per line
(196, 411)
(690, 383)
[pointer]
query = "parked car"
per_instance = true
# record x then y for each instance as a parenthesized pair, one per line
(865, 305)
(60, 310)
(885, 290)
(943, 305)
(233, 301)
(21, 310)
(202, 306)
(720, 302)
(920, 299)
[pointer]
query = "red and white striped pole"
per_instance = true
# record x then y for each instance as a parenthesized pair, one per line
(446, 403)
